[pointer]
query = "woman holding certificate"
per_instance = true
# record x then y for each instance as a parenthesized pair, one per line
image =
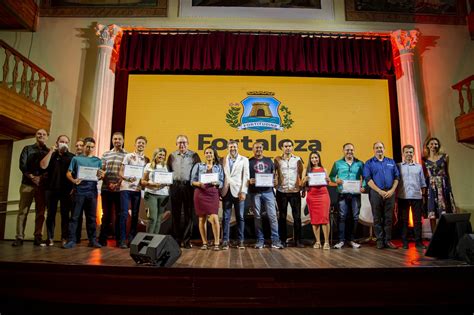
(317, 198)
(208, 177)
(156, 180)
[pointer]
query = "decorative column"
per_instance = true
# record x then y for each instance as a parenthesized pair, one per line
(103, 97)
(403, 45)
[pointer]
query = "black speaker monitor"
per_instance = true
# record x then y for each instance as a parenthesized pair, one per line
(154, 249)
(450, 229)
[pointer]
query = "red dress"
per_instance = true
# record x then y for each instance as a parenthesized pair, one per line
(206, 200)
(317, 199)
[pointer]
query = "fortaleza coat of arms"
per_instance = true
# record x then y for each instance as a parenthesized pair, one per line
(259, 111)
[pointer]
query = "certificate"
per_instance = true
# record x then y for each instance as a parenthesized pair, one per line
(133, 171)
(165, 178)
(317, 179)
(87, 173)
(209, 178)
(351, 186)
(263, 180)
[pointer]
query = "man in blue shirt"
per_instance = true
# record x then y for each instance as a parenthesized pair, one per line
(348, 168)
(86, 192)
(410, 192)
(382, 176)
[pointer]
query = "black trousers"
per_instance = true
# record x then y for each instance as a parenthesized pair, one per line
(282, 200)
(181, 194)
(382, 210)
(404, 209)
(110, 202)
(52, 199)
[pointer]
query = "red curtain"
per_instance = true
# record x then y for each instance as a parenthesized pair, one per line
(244, 53)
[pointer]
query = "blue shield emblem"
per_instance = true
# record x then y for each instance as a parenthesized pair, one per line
(260, 114)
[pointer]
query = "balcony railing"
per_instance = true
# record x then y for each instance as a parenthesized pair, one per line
(465, 121)
(34, 81)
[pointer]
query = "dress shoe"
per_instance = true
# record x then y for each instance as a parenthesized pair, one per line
(18, 242)
(94, 244)
(420, 246)
(225, 245)
(69, 245)
(299, 245)
(188, 245)
(390, 245)
(38, 242)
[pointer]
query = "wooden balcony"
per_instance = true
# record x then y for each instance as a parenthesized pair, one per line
(23, 102)
(465, 121)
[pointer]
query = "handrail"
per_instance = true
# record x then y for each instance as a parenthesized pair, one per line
(30, 88)
(459, 87)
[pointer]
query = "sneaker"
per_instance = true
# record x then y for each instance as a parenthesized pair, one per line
(38, 242)
(420, 246)
(259, 245)
(326, 246)
(317, 245)
(94, 244)
(354, 244)
(405, 245)
(278, 245)
(123, 245)
(225, 245)
(380, 245)
(18, 242)
(49, 242)
(69, 244)
(339, 245)
(103, 243)
(241, 245)
(188, 245)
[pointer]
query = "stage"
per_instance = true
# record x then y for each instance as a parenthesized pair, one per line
(304, 279)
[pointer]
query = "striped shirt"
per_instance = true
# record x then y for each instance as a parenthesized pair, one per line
(112, 161)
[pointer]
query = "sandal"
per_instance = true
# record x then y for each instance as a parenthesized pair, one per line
(317, 245)
(216, 247)
(326, 246)
(204, 246)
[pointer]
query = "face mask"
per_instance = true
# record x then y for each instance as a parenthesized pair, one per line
(63, 147)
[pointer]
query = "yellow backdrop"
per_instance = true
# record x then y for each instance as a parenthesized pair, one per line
(325, 113)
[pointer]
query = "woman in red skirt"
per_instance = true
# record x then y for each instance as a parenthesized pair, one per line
(317, 198)
(208, 177)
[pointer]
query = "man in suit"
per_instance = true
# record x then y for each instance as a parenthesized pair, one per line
(236, 170)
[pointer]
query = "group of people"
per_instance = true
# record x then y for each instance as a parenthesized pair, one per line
(52, 175)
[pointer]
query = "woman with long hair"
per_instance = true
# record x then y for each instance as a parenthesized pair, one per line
(206, 195)
(440, 196)
(156, 195)
(317, 199)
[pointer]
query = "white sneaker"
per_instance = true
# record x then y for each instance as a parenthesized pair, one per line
(354, 244)
(339, 245)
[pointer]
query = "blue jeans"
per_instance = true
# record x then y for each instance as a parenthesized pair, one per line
(265, 200)
(87, 202)
(348, 202)
(239, 206)
(127, 198)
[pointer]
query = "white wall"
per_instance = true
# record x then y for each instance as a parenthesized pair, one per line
(66, 49)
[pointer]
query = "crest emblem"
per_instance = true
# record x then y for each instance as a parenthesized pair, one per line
(261, 112)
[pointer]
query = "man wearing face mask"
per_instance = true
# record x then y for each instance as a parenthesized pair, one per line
(32, 187)
(58, 187)
(382, 176)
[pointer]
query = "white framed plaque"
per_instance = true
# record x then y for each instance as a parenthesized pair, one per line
(164, 178)
(351, 186)
(209, 178)
(317, 179)
(87, 173)
(263, 180)
(133, 171)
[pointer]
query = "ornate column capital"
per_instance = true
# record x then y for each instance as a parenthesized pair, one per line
(404, 41)
(107, 34)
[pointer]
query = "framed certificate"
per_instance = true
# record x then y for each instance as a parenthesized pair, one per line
(134, 171)
(165, 178)
(263, 180)
(87, 173)
(317, 179)
(351, 186)
(208, 178)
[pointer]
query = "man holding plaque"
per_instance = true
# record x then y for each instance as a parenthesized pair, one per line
(261, 195)
(347, 174)
(84, 172)
(236, 170)
(289, 170)
(180, 162)
(410, 194)
(382, 176)
(131, 172)
(111, 164)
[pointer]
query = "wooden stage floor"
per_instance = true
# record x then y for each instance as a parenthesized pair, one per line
(367, 279)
